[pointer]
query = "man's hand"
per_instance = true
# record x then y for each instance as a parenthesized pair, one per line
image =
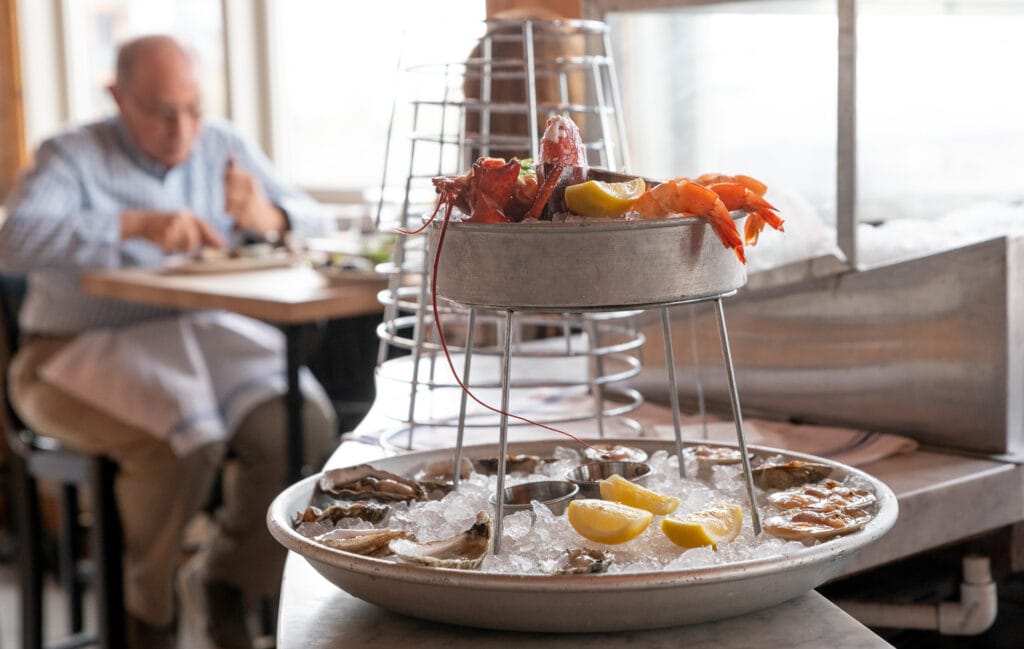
(180, 231)
(247, 203)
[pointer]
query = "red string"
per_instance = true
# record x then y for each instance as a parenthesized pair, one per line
(442, 199)
(444, 343)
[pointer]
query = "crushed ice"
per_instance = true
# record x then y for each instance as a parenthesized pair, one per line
(532, 540)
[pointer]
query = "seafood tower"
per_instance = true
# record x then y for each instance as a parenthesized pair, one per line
(515, 245)
(570, 367)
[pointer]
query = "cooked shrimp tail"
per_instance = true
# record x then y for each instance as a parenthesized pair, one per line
(686, 198)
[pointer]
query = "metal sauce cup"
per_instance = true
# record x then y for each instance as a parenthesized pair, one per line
(556, 494)
(587, 475)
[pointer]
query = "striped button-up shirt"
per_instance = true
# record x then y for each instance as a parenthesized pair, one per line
(65, 216)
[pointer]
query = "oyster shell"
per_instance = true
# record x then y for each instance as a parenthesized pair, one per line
(827, 496)
(364, 482)
(465, 551)
(440, 474)
(790, 474)
(807, 524)
(615, 452)
(580, 561)
(513, 464)
(370, 512)
(717, 454)
(708, 457)
(369, 543)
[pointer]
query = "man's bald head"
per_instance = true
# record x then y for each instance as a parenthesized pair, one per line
(158, 95)
(146, 52)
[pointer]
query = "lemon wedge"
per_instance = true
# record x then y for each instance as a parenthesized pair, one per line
(601, 199)
(623, 491)
(713, 526)
(603, 521)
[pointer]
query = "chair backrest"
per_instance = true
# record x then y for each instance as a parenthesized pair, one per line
(12, 293)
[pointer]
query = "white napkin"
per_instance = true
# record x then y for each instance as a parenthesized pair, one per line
(189, 379)
(845, 445)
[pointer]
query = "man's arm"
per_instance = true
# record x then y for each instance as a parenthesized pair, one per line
(304, 216)
(46, 224)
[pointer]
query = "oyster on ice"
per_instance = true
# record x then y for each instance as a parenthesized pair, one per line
(364, 482)
(465, 551)
(827, 496)
(440, 474)
(513, 464)
(369, 543)
(582, 561)
(370, 512)
(615, 453)
(790, 474)
(808, 524)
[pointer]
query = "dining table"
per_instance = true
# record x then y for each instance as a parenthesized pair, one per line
(291, 296)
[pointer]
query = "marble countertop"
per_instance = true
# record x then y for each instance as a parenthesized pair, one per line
(316, 615)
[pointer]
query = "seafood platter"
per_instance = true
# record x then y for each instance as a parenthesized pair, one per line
(586, 238)
(399, 535)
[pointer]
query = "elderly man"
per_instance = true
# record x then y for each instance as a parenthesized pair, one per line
(165, 394)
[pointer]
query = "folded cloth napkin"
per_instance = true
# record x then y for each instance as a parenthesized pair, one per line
(845, 445)
(190, 379)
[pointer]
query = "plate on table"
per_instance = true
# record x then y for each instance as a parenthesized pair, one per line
(231, 264)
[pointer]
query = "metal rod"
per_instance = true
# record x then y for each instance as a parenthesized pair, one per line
(620, 119)
(417, 350)
(462, 401)
(673, 390)
(734, 398)
(695, 346)
(485, 95)
(506, 370)
(596, 372)
(531, 85)
(846, 131)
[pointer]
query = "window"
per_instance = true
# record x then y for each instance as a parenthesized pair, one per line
(335, 78)
(938, 111)
(94, 28)
(733, 88)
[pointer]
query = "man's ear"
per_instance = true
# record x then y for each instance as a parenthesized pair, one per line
(115, 94)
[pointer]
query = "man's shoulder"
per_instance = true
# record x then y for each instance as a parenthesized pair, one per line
(221, 132)
(85, 139)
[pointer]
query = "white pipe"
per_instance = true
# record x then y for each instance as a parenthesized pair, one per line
(973, 614)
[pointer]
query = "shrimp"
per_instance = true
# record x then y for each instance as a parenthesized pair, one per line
(747, 194)
(687, 198)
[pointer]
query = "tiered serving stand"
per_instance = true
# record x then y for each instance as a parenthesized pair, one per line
(495, 103)
(588, 277)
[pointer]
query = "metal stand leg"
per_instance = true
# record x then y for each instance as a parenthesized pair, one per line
(673, 390)
(695, 345)
(293, 403)
(462, 403)
(596, 372)
(417, 350)
(506, 371)
(734, 398)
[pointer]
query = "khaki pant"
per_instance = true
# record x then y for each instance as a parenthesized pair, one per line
(158, 492)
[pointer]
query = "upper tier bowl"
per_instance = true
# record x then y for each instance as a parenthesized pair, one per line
(596, 265)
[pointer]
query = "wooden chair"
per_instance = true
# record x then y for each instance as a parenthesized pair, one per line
(35, 457)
